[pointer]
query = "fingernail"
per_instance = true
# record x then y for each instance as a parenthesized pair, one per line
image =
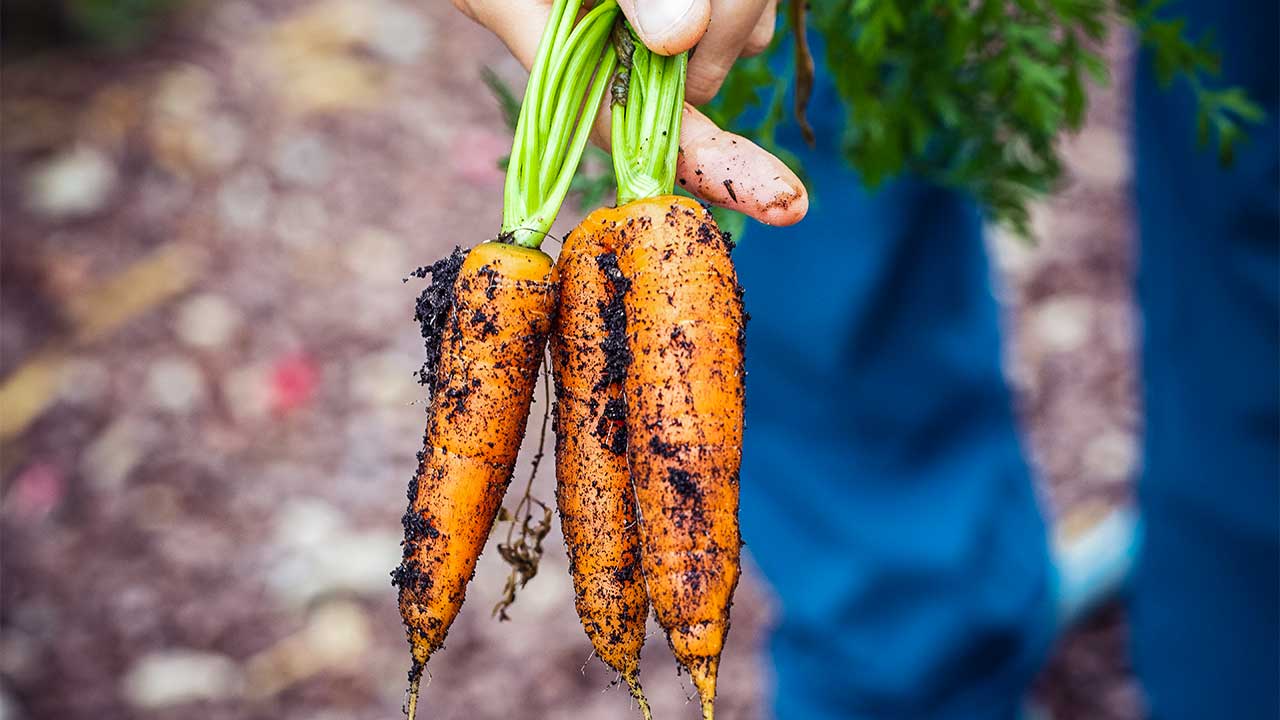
(658, 18)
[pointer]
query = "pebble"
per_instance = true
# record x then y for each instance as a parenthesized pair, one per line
(84, 382)
(398, 34)
(175, 384)
(113, 455)
(176, 677)
(186, 91)
(338, 633)
(186, 133)
(303, 159)
(301, 221)
(207, 321)
(244, 201)
(73, 184)
(376, 256)
(384, 379)
(347, 562)
(1062, 324)
(306, 523)
(1111, 455)
(224, 140)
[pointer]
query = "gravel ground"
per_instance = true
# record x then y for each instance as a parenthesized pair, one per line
(210, 414)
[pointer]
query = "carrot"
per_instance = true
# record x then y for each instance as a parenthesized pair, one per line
(486, 320)
(593, 489)
(489, 351)
(684, 392)
(684, 386)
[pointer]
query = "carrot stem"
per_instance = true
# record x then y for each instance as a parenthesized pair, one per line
(566, 84)
(645, 125)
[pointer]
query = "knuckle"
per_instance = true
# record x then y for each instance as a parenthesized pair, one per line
(758, 41)
(704, 80)
(464, 7)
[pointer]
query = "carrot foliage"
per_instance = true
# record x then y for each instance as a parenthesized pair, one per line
(974, 93)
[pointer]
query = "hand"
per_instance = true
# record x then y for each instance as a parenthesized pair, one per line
(718, 166)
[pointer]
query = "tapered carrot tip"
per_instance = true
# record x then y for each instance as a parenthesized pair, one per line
(637, 692)
(703, 674)
(414, 683)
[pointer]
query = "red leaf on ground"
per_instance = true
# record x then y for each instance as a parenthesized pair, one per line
(294, 379)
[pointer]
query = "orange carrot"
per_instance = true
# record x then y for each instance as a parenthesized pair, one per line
(490, 345)
(487, 329)
(593, 490)
(684, 393)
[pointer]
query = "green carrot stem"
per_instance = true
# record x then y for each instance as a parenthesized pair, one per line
(645, 124)
(577, 74)
(566, 84)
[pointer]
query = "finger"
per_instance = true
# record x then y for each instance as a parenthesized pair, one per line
(464, 7)
(731, 171)
(762, 34)
(517, 24)
(668, 27)
(721, 46)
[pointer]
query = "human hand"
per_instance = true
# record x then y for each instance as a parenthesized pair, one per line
(718, 166)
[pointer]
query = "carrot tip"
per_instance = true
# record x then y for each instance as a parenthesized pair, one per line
(412, 710)
(638, 693)
(708, 708)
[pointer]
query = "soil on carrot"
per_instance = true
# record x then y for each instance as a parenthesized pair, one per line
(617, 355)
(432, 309)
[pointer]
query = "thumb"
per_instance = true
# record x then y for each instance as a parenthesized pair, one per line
(668, 27)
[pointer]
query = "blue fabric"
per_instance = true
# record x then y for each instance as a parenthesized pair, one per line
(885, 494)
(1206, 594)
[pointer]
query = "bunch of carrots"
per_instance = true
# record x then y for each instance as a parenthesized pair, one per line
(644, 318)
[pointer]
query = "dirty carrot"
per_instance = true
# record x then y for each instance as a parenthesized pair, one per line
(593, 485)
(684, 385)
(485, 319)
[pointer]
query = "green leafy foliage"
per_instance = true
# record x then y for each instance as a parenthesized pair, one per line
(975, 93)
(116, 23)
(593, 181)
(508, 103)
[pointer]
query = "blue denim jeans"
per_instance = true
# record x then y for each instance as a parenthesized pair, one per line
(886, 495)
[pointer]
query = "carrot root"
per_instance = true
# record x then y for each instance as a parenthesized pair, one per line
(486, 335)
(593, 489)
(684, 395)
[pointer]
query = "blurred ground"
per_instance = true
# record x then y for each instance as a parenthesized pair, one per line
(209, 414)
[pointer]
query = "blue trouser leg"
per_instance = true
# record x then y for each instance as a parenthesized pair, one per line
(885, 494)
(1205, 595)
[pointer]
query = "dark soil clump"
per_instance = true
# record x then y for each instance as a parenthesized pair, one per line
(683, 483)
(617, 354)
(663, 449)
(433, 308)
